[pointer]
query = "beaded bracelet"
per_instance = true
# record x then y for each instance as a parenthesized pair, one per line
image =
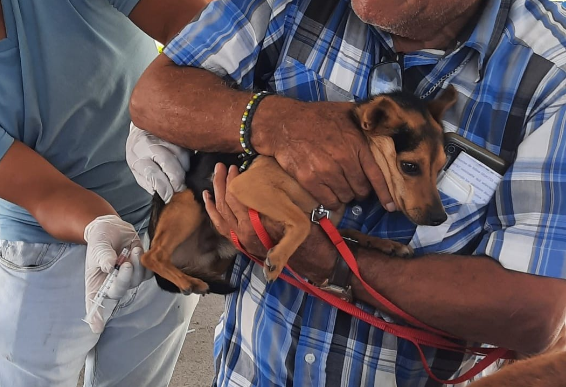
(245, 128)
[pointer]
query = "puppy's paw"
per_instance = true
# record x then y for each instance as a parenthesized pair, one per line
(396, 249)
(386, 246)
(273, 266)
(196, 286)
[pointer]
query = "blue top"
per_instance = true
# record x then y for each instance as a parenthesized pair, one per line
(510, 75)
(67, 69)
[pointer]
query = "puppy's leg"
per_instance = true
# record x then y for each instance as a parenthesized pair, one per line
(266, 188)
(178, 220)
(386, 246)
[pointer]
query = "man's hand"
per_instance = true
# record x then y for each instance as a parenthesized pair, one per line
(157, 165)
(106, 236)
(227, 213)
(314, 259)
(319, 144)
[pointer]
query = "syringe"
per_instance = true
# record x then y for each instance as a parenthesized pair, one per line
(103, 291)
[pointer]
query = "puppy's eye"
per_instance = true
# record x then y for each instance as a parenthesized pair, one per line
(410, 168)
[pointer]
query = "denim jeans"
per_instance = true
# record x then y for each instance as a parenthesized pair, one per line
(44, 342)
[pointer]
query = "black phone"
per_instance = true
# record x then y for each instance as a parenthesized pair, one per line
(454, 144)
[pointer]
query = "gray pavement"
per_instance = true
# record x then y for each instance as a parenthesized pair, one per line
(195, 366)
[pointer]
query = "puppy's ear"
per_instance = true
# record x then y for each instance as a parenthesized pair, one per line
(380, 113)
(445, 100)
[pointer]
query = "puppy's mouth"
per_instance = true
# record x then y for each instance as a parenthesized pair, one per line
(422, 217)
(414, 215)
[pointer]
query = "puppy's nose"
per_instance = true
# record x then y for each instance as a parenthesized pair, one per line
(437, 218)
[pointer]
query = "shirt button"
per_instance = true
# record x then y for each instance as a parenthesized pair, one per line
(357, 210)
(310, 358)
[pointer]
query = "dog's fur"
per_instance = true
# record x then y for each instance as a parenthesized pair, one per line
(547, 370)
(181, 231)
(406, 140)
(544, 370)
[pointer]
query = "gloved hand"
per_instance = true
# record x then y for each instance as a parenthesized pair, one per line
(157, 165)
(106, 236)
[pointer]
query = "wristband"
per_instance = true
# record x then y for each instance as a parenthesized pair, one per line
(245, 128)
(339, 281)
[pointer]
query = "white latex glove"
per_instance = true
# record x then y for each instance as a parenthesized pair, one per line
(106, 236)
(157, 165)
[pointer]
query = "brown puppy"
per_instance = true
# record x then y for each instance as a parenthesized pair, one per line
(406, 139)
(185, 247)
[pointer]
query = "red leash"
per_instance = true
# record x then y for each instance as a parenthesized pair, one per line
(423, 335)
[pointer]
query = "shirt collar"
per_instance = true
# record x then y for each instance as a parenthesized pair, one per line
(487, 33)
(483, 38)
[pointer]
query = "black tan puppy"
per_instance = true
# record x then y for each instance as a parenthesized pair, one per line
(406, 139)
(184, 244)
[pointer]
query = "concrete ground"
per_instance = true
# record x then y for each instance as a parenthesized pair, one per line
(195, 365)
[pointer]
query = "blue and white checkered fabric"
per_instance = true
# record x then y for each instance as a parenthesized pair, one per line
(509, 71)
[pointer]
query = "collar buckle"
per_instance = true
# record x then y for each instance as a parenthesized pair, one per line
(318, 213)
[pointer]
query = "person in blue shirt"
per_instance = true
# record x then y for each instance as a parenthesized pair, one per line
(492, 273)
(68, 201)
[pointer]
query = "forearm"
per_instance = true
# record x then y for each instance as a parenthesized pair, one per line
(470, 297)
(198, 110)
(60, 206)
(188, 106)
(67, 210)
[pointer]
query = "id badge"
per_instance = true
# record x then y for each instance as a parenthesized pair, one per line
(471, 183)
(469, 177)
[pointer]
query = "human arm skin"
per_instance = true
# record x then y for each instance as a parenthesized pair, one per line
(472, 297)
(163, 19)
(161, 98)
(61, 207)
(315, 142)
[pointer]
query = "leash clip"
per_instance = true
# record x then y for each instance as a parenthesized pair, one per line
(318, 213)
(343, 293)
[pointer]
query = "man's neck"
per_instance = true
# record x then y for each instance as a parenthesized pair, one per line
(2, 24)
(444, 38)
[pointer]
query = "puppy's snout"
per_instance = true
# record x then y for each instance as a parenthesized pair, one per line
(436, 218)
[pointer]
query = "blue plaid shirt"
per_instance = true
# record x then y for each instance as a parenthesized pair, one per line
(509, 71)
